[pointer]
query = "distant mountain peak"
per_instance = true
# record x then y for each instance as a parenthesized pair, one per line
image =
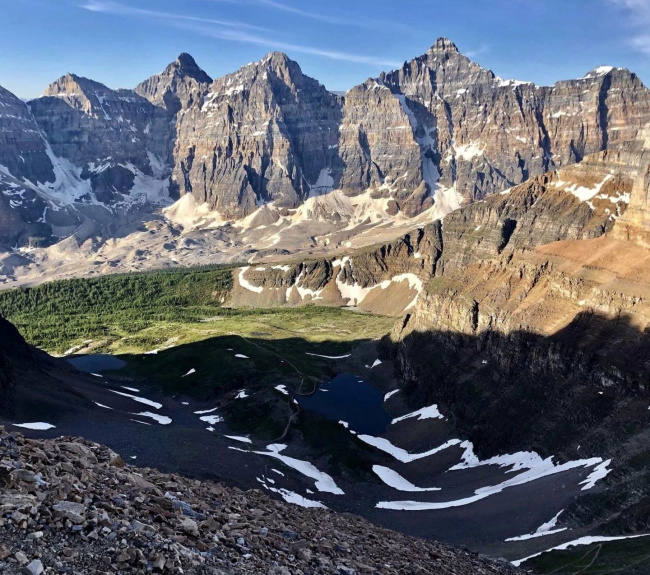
(444, 45)
(186, 65)
(72, 84)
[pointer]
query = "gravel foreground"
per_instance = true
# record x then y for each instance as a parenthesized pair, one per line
(72, 506)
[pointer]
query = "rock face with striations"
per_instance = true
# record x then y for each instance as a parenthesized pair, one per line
(440, 130)
(23, 155)
(266, 133)
(424, 139)
(489, 134)
(98, 130)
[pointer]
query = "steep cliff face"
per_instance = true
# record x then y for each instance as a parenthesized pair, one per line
(634, 225)
(263, 134)
(489, 134)
(440, 131)
(98, 130)
(26, 166)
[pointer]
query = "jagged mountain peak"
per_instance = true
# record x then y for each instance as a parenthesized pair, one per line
(445, 45)
(186, 65)
(277, 58)
(273, 67)
(177, 86)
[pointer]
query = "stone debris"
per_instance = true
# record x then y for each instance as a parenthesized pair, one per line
(92, 513)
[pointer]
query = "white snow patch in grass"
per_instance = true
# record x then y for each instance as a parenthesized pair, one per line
(243, 282)
(535, 468)
(599, 472)
(545, 529)
(130, 388)
(588, 540)
(102, 405)
(211, 419)
(328, 356)
(390, 394)
(401, 454)
(277, 471)
(396, 481)
(241, 356)
(296, 499)
(139, 399)
(282, 389)
(376, 363)
(37, 426)
(237, 438)
(430, 412)
(324, 482)
(242, 394)
(100, 375)
(162, 419)
(206, 411)
(142, 422)
(190, 372)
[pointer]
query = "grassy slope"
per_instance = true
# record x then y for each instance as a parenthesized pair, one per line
(182, 311)
(631, 557)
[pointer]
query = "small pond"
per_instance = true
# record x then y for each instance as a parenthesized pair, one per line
(97, 363)
(348, 398)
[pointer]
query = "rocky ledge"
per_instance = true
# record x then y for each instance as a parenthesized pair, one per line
(72, 506)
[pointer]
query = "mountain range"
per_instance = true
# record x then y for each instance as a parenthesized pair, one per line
(259, 155)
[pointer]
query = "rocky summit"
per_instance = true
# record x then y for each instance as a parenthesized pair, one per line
(73, 506)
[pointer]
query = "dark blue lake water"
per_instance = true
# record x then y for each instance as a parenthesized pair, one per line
(97, 363)
(348, 399)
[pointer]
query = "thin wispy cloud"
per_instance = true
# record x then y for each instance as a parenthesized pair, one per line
(348, 20)
(231, 31)
(125, 10)
(308, 14)
(639, 17)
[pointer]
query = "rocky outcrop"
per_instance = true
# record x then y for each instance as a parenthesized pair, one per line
(24, 155)
(634, 225)
(70, 504)
(385, 280)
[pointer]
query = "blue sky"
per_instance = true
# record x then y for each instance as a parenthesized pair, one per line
(339, 42)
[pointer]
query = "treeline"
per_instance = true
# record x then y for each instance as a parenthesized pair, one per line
(53, 314)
